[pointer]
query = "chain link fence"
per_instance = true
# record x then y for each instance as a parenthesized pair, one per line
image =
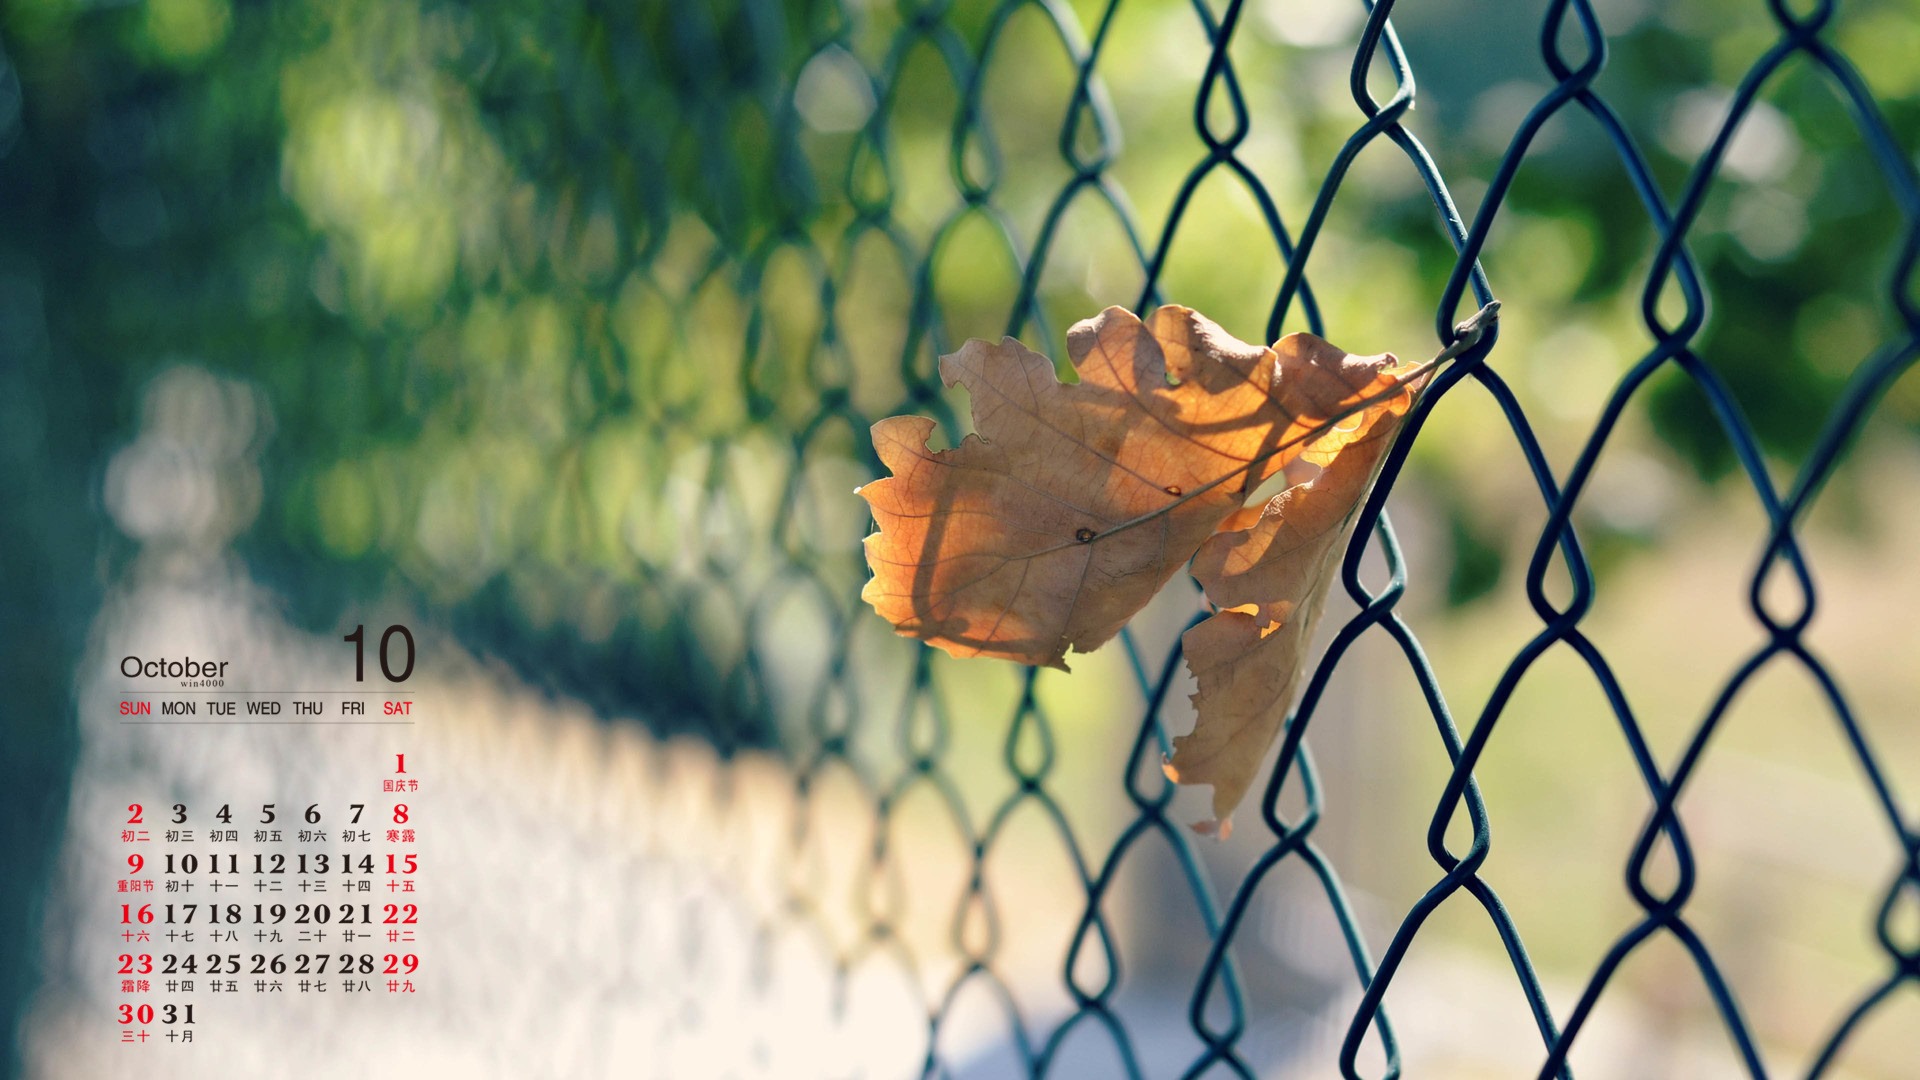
(1573, 47)
(616, 293)
(1674, 297)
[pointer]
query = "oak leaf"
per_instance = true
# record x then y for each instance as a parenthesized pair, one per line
(1073, 503)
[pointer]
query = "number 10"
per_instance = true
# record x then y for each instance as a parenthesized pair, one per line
(359, 639)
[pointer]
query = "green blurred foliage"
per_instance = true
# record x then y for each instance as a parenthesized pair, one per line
(572, 318)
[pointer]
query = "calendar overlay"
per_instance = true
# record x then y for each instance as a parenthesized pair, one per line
(312, 896)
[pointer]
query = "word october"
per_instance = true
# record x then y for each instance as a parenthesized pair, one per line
(188, 668)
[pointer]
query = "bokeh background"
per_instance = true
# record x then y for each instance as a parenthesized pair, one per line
(556, 329)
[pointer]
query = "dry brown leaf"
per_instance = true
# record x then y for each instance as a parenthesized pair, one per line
(1269, 578)
(1075, 503)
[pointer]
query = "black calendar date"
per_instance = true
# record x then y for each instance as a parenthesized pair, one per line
(136, 812)
(269, 914)
(214, 963)
(275, 863)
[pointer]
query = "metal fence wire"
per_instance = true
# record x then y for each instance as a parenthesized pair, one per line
(775, 283)
(717, 243)
(775, 213)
